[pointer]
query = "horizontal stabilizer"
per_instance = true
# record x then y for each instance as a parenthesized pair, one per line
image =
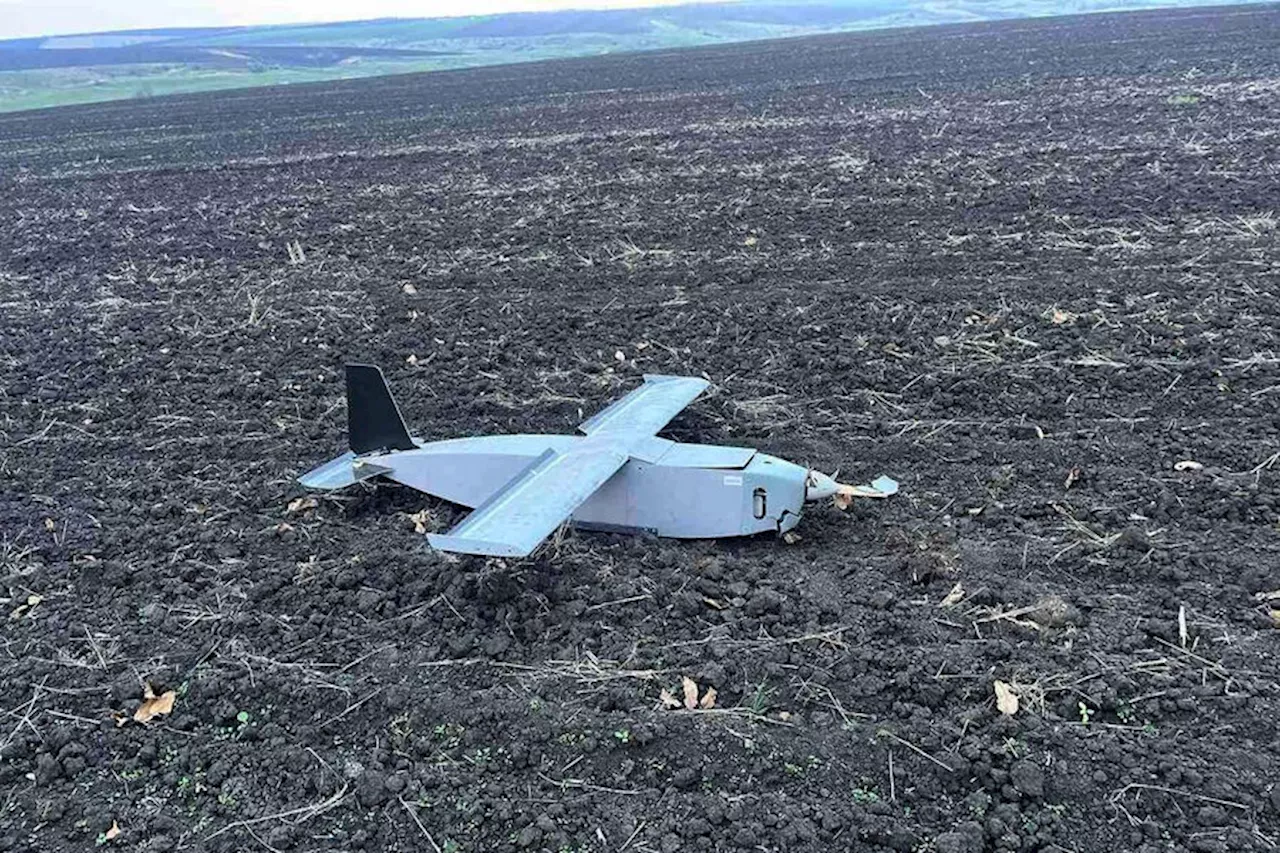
(339, 473)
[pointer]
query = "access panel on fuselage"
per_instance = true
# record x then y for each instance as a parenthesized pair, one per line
(688, 503)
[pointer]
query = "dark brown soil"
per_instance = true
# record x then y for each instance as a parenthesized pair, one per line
(1026, 268)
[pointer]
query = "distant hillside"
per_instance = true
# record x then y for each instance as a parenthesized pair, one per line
(38, 72)
(246, 58)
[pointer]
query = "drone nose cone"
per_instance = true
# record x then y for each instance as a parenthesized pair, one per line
(818, 486)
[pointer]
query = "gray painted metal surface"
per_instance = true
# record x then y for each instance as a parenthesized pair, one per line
(617, 476)
(648, 408)
(532, 505)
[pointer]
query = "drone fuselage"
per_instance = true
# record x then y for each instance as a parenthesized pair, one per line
(689, 491)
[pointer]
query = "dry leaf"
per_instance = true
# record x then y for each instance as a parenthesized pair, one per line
(1006, 699)
(953, 597)
(302, 504)
(111, 833)
(784, 715)
(154, 706)
(690, 692)
(669, 701)
(284, 527)
(25, 608)
(791, 537)
(1072, 476)
(1188, 465)
(420, 520)
(410, 289)
(708, 699)
(1059, 316)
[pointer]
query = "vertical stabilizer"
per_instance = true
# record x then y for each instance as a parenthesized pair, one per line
(373, 419)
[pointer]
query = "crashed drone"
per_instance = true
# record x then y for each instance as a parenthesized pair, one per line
(618, 475)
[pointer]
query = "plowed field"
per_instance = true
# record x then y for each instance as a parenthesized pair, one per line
(1028, 269)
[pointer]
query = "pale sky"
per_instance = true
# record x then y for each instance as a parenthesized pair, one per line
(51, 17)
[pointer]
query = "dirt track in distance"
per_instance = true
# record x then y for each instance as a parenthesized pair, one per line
(1024, 268)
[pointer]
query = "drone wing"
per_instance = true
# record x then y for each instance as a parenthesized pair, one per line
(534, 504)
(648, 408)
(544, 495)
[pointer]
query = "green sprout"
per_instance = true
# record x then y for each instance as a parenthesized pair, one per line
(865, 795)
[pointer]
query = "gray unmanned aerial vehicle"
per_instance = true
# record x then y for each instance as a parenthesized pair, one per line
(618, 475)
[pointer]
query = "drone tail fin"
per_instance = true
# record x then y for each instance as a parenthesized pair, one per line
(374, 423)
